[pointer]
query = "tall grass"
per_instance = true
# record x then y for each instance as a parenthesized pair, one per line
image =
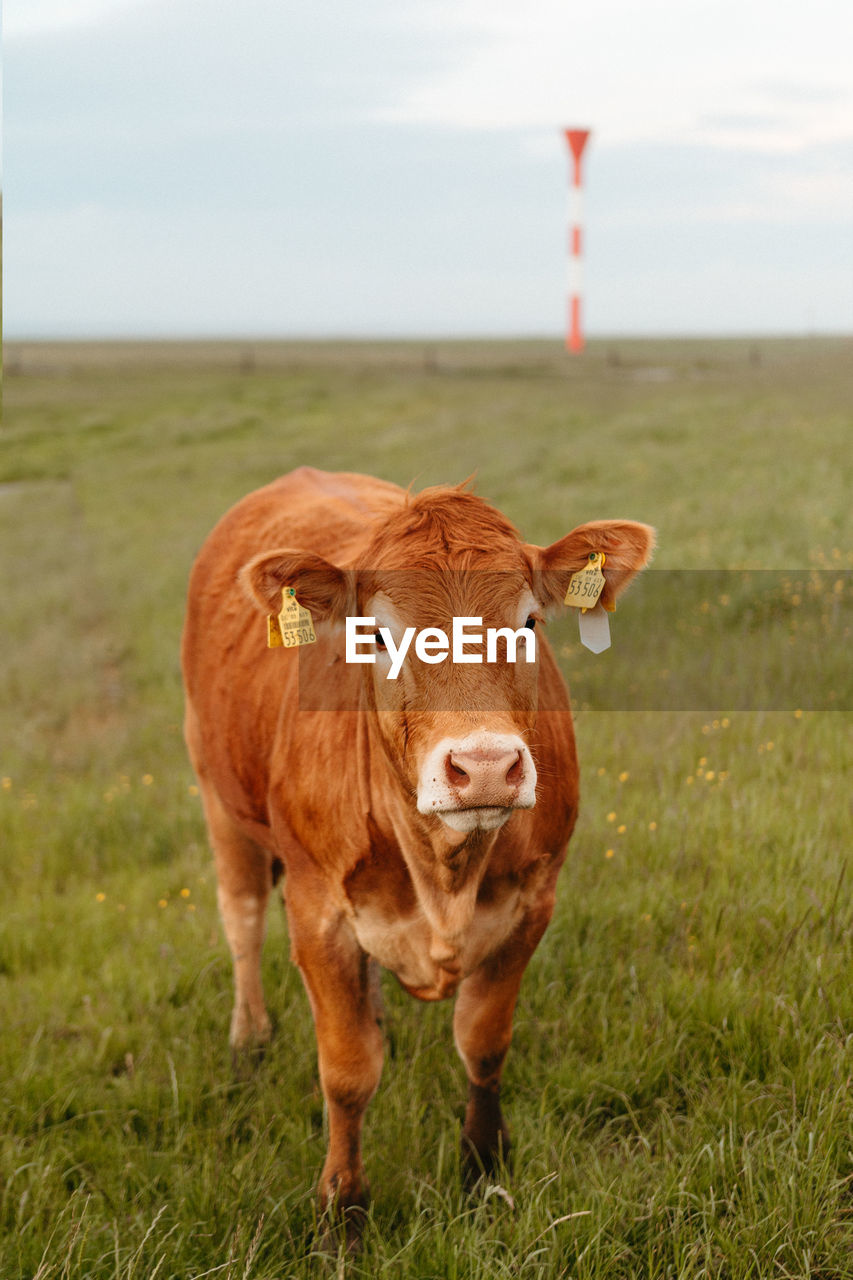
(679, 1082)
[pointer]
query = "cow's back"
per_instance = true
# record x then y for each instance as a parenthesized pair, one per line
(236, 686)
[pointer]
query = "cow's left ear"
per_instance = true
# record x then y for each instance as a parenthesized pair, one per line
(327, 592)
(627, 548)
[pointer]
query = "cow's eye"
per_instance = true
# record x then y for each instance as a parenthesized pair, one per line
(531, 624)
(380, 642)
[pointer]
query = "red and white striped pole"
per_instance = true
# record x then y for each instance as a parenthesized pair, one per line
(577, 140)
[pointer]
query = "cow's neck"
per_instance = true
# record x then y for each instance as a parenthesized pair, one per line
(446, 866)
(447, 885)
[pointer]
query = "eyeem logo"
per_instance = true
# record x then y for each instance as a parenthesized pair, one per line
(433, 645)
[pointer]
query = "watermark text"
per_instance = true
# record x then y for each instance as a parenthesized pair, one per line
(432, 645)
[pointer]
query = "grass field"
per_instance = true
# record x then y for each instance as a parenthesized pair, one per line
(679, 1086)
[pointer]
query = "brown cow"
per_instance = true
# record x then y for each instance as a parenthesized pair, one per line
(420, 822)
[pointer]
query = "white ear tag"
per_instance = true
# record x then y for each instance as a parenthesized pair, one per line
(594, 627)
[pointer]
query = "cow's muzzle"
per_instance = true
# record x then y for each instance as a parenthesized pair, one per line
(477, 781)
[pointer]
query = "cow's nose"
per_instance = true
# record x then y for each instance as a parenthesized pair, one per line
(488, 778)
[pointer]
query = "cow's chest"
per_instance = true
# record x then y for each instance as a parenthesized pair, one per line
(429, 965)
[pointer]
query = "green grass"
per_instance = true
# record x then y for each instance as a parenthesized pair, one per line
(679, 1086)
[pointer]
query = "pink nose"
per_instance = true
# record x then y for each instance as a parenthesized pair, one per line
(485, 778)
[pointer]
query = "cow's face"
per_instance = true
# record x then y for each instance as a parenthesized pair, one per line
(457, 733)
(456, 725)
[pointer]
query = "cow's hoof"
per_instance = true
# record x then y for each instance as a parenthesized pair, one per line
(248, 1056)
(477, 1163)
(341, 1231)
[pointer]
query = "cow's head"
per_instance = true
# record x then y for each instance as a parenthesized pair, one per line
(456, 733)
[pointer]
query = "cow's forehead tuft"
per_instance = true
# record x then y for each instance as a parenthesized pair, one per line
(439, 592)
(443, 528)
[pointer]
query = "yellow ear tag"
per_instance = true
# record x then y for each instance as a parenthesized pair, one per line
(293, 626)
(587, 584)
(585, 588)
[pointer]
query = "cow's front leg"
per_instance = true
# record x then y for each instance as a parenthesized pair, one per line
(482, 1027)
(342, 985)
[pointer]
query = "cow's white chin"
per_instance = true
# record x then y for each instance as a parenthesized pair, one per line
(480, 819)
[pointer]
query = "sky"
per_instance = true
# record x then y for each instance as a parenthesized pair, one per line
(287, 168)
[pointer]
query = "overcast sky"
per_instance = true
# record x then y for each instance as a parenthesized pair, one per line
(381, 167)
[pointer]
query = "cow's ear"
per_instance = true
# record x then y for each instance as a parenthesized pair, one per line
(627, 548)
(326, 591)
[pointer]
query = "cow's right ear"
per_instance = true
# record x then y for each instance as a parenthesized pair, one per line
(627, 546)
(327, 592)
